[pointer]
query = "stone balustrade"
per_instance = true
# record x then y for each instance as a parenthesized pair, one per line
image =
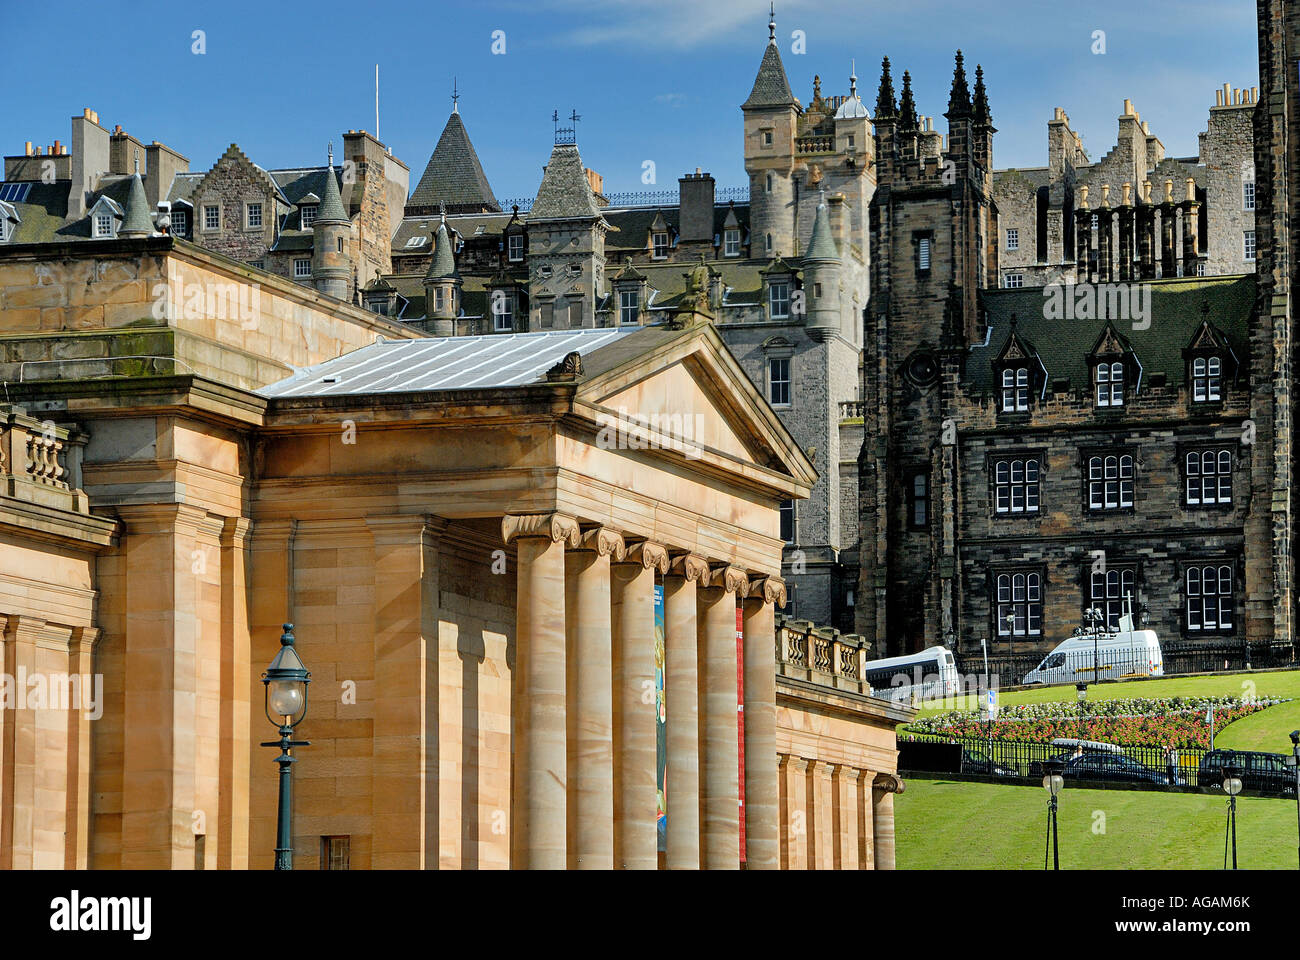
(40, 461)
(821, 655)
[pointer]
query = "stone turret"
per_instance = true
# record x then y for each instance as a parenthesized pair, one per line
(136, 222)
(442, 283)
(821, 276)
(331, 259)
(771, 125)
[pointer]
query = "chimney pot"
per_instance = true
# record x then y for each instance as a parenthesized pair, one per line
(1218, 98)
(85, 112)
(1128, 107)
(1254, 94)
(27, 148)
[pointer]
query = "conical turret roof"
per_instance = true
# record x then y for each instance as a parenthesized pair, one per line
(443, 266)
(565, 192)
(331, 204)
(136, 222)
(821, 245)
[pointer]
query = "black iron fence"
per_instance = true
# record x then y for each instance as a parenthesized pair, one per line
(1082, 666)
(1151, 766)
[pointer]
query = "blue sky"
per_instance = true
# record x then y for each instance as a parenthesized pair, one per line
(658, 80)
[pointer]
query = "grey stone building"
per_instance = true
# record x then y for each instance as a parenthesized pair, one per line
(1040, 231)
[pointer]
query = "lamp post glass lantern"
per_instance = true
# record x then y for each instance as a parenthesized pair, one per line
(286, 682)
(1053, 783)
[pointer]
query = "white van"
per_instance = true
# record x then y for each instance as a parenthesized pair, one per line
(930, 674)
(1090, 655)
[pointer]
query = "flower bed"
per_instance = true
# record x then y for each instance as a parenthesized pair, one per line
(1169, 721)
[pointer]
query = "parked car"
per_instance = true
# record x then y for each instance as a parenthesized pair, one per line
(1103, 765)
(977, 761)
(1265, 772)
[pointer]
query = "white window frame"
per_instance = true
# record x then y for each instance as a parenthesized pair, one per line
(1107, 590)
(1207, 477)
(1013, 281)
(731, 242)
(924, 254)
(515, 247)
(1109, 377)
(249, 209)
(660, 245)
(307, 215)
(789, 510)
(1016, 485)
(1248, 245)
(211, 212)
(180, 222)
(629, 306)
(1111, 482)
(1018, 593)
(1210, 598)
(778, 381)
(1207, 379)
(1013, 238)
(1248, 195)
(778, 299)
(1015, 389)
(103, 225)
(299, 273)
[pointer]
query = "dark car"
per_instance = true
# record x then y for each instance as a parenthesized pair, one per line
(977, 761)
(1264, 772)
(1103, 765)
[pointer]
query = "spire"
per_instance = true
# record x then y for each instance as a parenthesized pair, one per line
(853, 77)
(331, 204)
(455, 96)
(453, 175)
(907, 119)
(443, 266)
(136, 222)
(886, 107)
(959, 99)
(771, 87)
(852, 108)
(771, 24)
(982, 115)
(565, 191)
(821, 245)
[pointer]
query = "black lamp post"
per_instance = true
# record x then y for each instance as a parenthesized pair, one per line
(1095, 617)
(1232, 787)
(1053, 782)
(1293, 762)
(286, 682)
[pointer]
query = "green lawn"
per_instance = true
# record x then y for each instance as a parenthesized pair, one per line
(942, 824)
(1267, 730)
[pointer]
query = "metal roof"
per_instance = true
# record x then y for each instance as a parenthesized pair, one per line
(444, 363)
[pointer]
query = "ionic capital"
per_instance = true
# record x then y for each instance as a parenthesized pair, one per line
(605, 542)
(649, 555)
(888, 783)
(554, 525)
(690, 567)
(768, 589)
(732, 579)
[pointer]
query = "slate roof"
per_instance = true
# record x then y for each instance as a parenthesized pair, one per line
(629, 227)
(446, 363)
(1176, 313)
(454, 174)
(821, 245)
(443, 264)
(137, 221)
(771, 88)
(564, 192)
(331, 204)
(41, 214)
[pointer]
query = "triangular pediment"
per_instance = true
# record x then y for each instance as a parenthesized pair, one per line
(1207, 338)
(694, 395)
(1109, 344)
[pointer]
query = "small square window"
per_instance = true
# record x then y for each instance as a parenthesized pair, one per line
(302, 267)
(1013, 280)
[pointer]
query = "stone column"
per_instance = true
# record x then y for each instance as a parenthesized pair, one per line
(81, 647)
(21, 766)
(882, 817)
(720, 758)
(762, 816)
(540, 738)
(682, 691)
(404, 807)
(845, 787)
(590, 708)
(864, 813)
(794, 813)
(636, 845)
(236, 708)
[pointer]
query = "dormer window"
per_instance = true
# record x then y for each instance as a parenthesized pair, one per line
(180, 226)
(778, 299)
(731, 243)
(1110, 383)
(659, 243)
(1015, 389)
(309, 214)
(103, 225)
(515, 247)
(1207, 379)
(629, 306)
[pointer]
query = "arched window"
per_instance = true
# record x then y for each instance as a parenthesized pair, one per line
(1110, 384)
(1210, 599)
(1207, 379)
(1208, 477)
(1018, 604)
(1110, 482)
(1015, 389)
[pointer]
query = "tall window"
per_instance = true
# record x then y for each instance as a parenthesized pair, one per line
(778, 381)
(660, 241)
(629, 306)
(1013, 238)
(1207, 376)
(1110, 482)
(1248, 195)
(1110, 384)
(769, 243)
(515, 247)
(309, 215)
(1209, 477)
(180, 222)
(923, 253)
(1015, 389)
(778, 299)
(731, 243)
(254, 215)
(1210, 599)
(1015, 486)
(1248, 244)
(1018, 604)
(302, 268)
(503, 311)
(1107, 593)
(787, 521)
(769, 181)
(918, 501)
(212, 218)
